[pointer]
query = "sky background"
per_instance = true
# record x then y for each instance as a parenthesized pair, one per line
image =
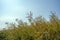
(12, 9)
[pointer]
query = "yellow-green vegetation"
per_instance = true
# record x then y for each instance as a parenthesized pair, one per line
(39, 29)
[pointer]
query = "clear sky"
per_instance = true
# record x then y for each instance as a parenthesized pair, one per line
(12, 9)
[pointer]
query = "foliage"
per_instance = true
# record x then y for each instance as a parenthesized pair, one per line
(40, 29)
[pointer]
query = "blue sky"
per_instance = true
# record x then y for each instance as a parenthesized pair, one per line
(12, 9)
